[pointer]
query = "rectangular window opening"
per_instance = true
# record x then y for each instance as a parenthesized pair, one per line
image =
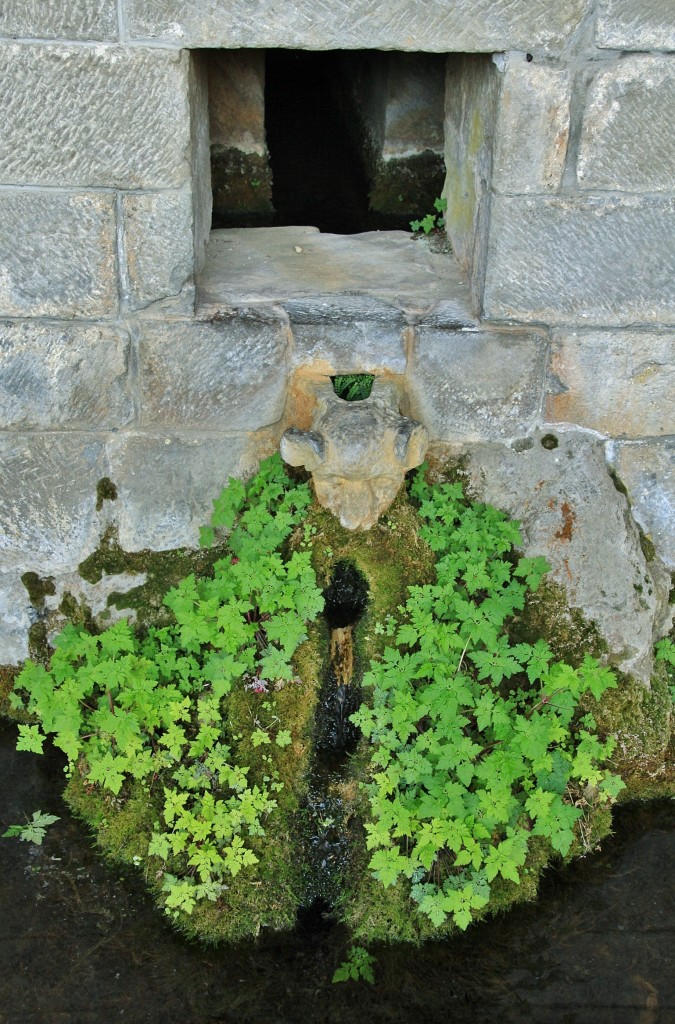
(343, 141)
(320, 161)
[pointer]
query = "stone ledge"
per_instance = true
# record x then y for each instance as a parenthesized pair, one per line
(315, 276)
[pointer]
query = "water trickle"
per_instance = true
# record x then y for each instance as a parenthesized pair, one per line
(326, 825)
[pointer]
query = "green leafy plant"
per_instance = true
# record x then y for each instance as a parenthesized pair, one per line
(34, 830)
(359, 964)
(665, 651)
(353, 387)
(480, 744)
(151, 710)
(432, 221)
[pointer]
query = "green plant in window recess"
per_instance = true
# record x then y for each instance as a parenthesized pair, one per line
(432, 221)
(353, 387)
(152, 709)
(479, 744)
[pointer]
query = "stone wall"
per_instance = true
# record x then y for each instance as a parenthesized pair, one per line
(560, 149)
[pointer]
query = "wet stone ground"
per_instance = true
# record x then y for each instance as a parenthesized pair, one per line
(83, 945)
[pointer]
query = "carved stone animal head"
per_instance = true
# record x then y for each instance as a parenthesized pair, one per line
(357, 452)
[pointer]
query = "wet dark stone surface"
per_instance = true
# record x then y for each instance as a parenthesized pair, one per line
(81, 944)
(346, 597)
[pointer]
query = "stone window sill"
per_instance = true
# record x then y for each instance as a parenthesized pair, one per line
(378, 275)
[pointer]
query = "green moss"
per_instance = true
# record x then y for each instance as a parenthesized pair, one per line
(268, 894)
(647, 545)
(242, 188)
(641, 720)
(390, 555)
(617, 481)
(38, 642)
(569, 634)
(162, 569)
(38, 588)
(8, 674)
(404, 189)
(105, 491)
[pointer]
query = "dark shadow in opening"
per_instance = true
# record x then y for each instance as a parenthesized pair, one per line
(318, 174)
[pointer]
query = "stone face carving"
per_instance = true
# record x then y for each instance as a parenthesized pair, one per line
(357, 452)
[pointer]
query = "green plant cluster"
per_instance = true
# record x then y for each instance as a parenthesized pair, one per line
(665, 652)
(359, 964)
(152, 709)
(480, 744)
(32, 831)
(353, 387)
(432, 221)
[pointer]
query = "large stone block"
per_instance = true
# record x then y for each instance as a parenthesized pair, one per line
(16, 618)
(64, 375)
(572, 514)
(466, 385)
(65, 19)
(628, 134)
(68, 19)
(159, 246)
(237, 100)
(636, 24)
(621, 383)
(57, 254)
(465, 25)
(200, 164)
(604, 260)
(48, 520)
(111, 116)
(471, 101)
(224, 376)
(166, 484)
(648, 473)
(532, 127)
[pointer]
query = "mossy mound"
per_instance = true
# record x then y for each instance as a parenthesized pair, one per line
(392, 557)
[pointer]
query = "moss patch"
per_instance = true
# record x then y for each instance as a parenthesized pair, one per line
(38, 588)
(163, 570)
(105, 491)
(390, 555)
(242, 188)
(566, 630)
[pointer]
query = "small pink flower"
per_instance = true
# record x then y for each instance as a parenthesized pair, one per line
(258, 686)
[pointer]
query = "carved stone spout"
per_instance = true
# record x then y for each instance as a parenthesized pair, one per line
(357, 452)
